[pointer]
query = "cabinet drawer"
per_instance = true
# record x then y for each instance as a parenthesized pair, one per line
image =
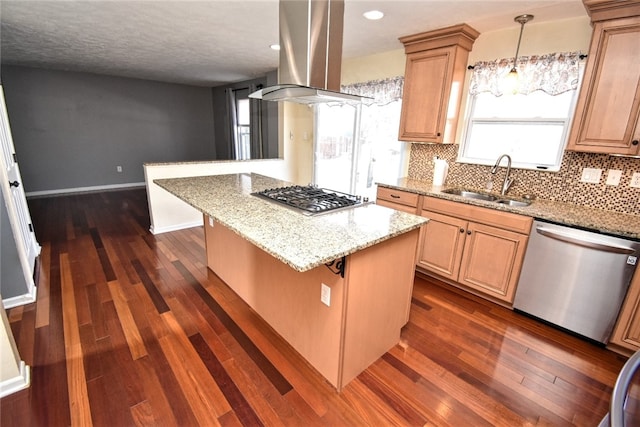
(398, 197)
(504, 220)
(397, 206)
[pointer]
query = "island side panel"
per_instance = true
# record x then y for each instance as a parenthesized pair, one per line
(289, 301)
(379, 288)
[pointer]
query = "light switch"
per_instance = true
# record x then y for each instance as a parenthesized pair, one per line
(591, 175)
(325, 295)
(613, 177)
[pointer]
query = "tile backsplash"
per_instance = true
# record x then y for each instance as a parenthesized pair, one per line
(562, 186)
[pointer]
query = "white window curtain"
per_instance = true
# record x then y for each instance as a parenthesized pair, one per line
(552, 73)
(355, 147)
(256, 128)
(234, 139)
(382, 92)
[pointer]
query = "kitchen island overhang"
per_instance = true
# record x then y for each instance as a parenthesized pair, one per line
(277, 260)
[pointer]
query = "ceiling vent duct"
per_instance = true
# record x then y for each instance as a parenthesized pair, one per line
(310, 54)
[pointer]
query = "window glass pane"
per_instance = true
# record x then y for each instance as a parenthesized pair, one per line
(536, 104)
(379, 156)
(532, 129)
(537, 143)
(334, 147)
(243, 112)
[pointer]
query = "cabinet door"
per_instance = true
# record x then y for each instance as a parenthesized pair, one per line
(425, 97)
(492, 260)
(441, 243)
(608, 108)
(627, 331)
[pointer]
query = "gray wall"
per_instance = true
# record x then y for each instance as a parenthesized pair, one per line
(12, 280)
(71, 129)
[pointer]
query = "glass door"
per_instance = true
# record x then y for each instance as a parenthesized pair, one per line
(357, 146)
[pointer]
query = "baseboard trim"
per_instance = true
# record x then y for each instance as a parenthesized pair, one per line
(17, 383)
(27, 298)
(160, 230)
(93, 189)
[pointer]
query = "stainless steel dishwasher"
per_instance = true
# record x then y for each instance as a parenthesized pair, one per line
(575, 279)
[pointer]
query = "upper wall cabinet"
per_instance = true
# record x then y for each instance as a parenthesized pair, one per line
(433, 81)
(607, 118)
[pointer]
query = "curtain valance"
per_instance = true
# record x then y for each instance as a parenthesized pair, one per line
(382, 91)
(553, 73)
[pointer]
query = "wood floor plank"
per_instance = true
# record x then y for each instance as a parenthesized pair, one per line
(76, 379)
(240, 406)
(167, 343)
(26, 340)
(129, 327)
(203, 394)
(42, 302)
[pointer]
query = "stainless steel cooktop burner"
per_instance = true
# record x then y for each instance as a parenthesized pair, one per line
(310, 200)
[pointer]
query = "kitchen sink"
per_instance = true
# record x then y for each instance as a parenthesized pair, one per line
(472, 195)
(469, 194)
(515, 203)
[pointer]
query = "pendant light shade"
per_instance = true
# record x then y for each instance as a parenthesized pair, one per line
(511, 82)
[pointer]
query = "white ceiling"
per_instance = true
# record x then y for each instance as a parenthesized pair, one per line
(207, 43)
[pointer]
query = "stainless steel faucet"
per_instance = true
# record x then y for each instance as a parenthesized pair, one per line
(507, 176)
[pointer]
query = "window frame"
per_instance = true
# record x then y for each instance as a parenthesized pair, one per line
(470, 121)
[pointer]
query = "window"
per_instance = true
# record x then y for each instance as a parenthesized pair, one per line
(243, 142)
(531, 125)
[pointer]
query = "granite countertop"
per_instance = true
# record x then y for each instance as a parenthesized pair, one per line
(618, 224)
(302, 242)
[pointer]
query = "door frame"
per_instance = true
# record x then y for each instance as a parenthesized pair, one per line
(21, 225)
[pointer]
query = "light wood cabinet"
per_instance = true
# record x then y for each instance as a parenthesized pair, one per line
(607, 117)
(434, 77)
(479, 248)
(626, 333)
(400, 200)
(441, 243)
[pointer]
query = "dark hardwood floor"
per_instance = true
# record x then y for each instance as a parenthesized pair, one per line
(132, 329)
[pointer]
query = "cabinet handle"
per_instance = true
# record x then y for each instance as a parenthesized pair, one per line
(395, 196)
(14, 184)
(438, 134)
(469, 232)
(462, 230)
(634, 142)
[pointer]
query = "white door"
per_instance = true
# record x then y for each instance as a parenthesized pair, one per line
(16, 201)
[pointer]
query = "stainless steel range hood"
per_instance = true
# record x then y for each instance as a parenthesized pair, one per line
(310, 54)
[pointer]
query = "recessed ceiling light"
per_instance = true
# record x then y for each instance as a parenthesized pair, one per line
(373, 15)
(275, 46)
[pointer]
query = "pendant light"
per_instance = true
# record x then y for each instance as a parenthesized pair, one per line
(512, 77)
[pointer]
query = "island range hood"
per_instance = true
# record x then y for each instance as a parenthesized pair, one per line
(310, 54)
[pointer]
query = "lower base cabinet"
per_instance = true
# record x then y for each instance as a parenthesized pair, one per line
(626, 333)
(481, 249)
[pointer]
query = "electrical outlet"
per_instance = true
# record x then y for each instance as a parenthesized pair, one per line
(325, 295)
(591, 175)
(119, 169)
(635, 180)
(613, 177)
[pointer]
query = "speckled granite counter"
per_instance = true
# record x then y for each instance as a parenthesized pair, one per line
(301, 242)
(618, 224)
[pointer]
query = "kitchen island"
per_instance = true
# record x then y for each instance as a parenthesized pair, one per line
(337, 287)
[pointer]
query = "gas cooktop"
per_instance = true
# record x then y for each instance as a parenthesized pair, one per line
(310, 200)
